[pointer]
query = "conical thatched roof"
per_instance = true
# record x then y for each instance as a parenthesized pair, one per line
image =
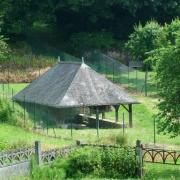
(70, 84)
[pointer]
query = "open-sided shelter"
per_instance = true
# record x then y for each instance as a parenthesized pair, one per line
(70, 85)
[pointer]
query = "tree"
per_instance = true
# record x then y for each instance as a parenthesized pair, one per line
(167, 68)
(143, 40)
(3, 48)
(75, 16)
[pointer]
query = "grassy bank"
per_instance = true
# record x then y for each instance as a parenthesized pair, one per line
(142, 124)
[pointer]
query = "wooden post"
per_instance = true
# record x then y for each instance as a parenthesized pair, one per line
(24, 110)
(12, 100)
(139, 159)
(146, 77)
(154, 131)
(97, 120)
(34, 118)
(128, 75)
(103, 115)
(136, 80)
(113, 72)
(123, 124)
(38, 152)
(116, 113)
(130, 116)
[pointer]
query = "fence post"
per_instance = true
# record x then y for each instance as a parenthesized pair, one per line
(139, 159)
(38, 152)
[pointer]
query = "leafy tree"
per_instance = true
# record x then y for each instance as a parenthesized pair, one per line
(167, 69)
(74, 16)
(3, 48)
(143, 40)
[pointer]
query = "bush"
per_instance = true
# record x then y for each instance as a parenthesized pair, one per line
(83, 162)
(56, 171)
(13, 117)
(118, 162)
(91, 163)
(6, 112)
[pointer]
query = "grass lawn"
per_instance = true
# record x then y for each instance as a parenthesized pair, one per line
(161, 172)
(12, 137)
(142, 124)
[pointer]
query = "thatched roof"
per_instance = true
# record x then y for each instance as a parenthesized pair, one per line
(70, 84)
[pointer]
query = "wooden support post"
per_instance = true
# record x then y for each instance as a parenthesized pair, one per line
(130, 116)
(146, 78)
(139, 159)
(123, 124)
(116, 113)
(38, 152)
(34, 118)
(12, 100)
(24, 110)
(97, 120)
(90, 111)
(71, 128)
(103, 115)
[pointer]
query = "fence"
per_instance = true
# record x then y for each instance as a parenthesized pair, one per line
(155, 155)
(163, 156)
(27, 68)
(17, 162)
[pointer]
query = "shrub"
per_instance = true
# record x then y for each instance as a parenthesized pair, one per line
(6, 112)
(56, 171)
(83, 162)
(118, 162)
(91, 163)
(8, 115)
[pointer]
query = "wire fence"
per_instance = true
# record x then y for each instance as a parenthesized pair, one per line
(45, 119)
(27, 68)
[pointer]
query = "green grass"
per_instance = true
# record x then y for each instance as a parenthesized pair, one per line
(12, 136)
(134, 81)
(142, 124)
(8, 89)
(161, 172)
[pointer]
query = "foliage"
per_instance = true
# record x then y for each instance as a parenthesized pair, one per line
(6, 112)
(55, 171)
(144, 39)
(82, 42)
(72, 16)
(91, 162)
(167, 66)
(172, 31)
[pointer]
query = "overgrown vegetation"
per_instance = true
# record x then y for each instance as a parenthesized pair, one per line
(91, 163)
(167, 68)
(160, 46)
